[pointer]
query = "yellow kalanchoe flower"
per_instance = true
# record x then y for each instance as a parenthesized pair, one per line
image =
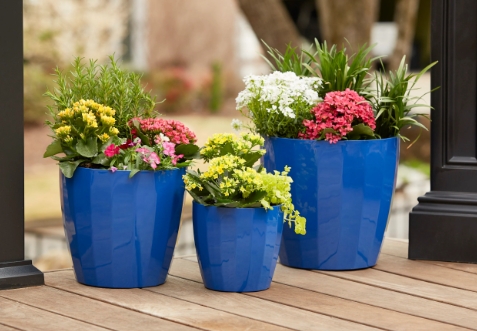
(90, 120)
(104, 137)
(63, 131)
(66, 114)
(107, 120)
(113, 131)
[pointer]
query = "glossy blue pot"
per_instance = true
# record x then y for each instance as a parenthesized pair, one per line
(237, 248)
(344, 190)
(122, 232)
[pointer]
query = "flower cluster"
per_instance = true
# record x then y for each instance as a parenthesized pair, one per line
(84, 120)
(240, 146)
(277, 100)
(335, 117)
(175, 131)
(160, 154)
(134, 156)
(231, 180)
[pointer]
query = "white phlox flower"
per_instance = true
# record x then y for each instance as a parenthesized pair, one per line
(280, 92)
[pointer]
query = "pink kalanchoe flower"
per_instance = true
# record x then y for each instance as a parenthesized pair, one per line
(111, 150)
(338, 111)
(177, 132)
(113, 169)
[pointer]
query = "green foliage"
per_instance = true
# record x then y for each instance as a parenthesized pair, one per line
(340, 71)
(36, 82)
(231, 181)
(392, 101)
(105, 84)
(278, 103)
(79, 133)
(216, 89)
(292, 61)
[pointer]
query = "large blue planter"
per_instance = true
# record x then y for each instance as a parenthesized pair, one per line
(344, 190)
(122, 232)
(237, 248)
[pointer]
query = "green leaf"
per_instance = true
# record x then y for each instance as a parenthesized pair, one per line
(360, 130)
(188, 150)
(144, 138)
(101, 159)
(68, 167)
(88, 148)
(255, 197)
(251, 158)
(226, 149)
(133, 172)
(182, 164)
(53, 149)
(196, 197)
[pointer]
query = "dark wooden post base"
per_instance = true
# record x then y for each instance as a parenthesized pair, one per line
(19, 274)
(14, 271)
(443, 226)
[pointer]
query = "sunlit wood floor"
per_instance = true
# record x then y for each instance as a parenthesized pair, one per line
(397, 294)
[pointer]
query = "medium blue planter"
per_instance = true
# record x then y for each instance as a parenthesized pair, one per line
(237, 248)
(122, 232)
(344, 190)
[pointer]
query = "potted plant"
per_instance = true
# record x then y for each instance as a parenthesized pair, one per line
(338, 127)
(121, 176)
(238, 214)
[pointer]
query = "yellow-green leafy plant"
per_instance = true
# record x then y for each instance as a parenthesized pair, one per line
(81, 133)
(231, 181)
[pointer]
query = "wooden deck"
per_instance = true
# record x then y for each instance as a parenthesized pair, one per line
(397, 294)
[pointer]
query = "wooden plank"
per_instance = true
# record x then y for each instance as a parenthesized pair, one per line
(395, 247)
(89, 310)
(158, 305)
(4, 327)
(325, 304)
(390, 281)
(427, 272)
(378, 297)
(251, 307)
(399, 248)
(28, 318)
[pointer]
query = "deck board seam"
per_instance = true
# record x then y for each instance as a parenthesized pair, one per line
(426, 280)
(371, 305)
(360, 302)
(436, 263)
(398, 291)
(225, 311)
(59, 314)
(132, 309)
(312, 311)
(294, 307)
(12, 327)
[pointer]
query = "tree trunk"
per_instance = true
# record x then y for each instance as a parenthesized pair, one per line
(405, 18)
(347, 19)
(271, 23)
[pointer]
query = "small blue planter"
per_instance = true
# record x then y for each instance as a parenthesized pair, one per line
(122, 232)
(237, 248)
(344, 190)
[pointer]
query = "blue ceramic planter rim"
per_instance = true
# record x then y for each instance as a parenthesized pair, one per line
(245, 208)
(127, 171)
(360, 141)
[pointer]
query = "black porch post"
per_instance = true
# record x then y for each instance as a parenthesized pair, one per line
(14, 270)
(443, 226)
